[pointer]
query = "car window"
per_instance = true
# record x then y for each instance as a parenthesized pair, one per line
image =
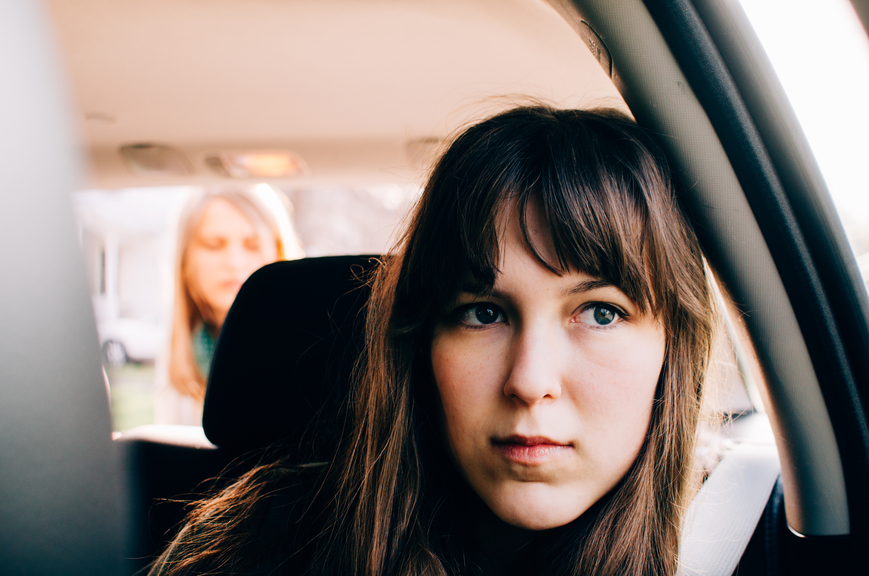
(820, 53)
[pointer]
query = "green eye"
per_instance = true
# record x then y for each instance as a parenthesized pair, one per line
(604, 316)
(599, 315)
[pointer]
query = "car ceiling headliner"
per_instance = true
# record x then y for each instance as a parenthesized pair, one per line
(346, 83)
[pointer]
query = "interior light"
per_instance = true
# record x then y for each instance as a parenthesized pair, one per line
(258, 164)
(155, 159)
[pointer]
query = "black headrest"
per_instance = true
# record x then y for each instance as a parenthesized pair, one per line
(283, 359)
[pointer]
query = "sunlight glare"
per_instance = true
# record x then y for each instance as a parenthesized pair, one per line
(821, 55)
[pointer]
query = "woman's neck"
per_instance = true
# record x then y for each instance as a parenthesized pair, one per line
(495, 547)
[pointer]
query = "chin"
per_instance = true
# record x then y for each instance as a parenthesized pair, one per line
(542, 516)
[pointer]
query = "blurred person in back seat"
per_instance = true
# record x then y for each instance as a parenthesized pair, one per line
(224, 235)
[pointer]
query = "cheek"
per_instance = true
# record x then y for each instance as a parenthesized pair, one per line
(266, 253)
(269, 252)
(627, 378)
(257, 259)
(194, 268)
(202, 267)
(451, 369)
(619, 386)
(467, 377)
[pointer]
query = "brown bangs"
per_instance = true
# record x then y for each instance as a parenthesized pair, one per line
(597, 223)
(593, 179)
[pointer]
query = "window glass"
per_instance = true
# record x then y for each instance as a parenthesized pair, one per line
(821, 55)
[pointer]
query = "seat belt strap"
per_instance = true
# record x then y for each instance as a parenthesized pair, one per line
(722, 517)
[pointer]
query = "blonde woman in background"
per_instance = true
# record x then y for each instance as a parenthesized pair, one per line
(224, 235)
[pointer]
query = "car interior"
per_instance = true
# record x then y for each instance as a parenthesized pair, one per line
(106, 95)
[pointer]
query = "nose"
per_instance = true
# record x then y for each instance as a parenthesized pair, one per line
(535, 373)
(236, 258)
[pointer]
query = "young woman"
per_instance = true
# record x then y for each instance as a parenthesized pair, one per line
(530, 396)
(224, 235)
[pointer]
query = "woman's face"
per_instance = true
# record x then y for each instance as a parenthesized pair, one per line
(224, 250)
(546, 384)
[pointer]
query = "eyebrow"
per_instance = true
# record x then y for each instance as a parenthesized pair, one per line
(588, 286)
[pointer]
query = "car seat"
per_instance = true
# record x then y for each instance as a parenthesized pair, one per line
(280, 373)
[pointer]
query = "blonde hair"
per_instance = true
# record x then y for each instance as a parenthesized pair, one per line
(263, 207)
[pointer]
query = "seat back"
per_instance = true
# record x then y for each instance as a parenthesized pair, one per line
(279, 377)
(284, 356)
(170, 467)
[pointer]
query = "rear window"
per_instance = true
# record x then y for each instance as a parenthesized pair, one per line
(128, 240)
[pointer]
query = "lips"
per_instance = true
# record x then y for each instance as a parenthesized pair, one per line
(530, 450)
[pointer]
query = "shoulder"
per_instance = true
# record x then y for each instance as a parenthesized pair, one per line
(265, 523)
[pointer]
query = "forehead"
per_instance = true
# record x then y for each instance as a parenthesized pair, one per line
(520, 254)
(523, 225)
(528, 253)
(222, 217)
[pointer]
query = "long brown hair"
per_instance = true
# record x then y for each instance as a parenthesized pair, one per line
(264, 209)
(389, 499)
